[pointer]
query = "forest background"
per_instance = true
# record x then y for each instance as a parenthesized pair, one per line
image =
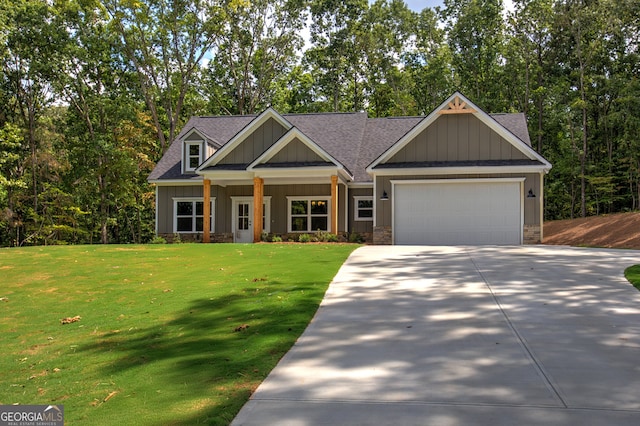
(92, 92)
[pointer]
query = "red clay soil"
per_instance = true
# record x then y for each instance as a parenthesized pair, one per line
(620, 230)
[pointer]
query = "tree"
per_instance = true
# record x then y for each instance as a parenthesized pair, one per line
(259, 44)
(476, 40)
(429, 64)
(165, 42)
(389, 31)
(336, 55)
(527, 60)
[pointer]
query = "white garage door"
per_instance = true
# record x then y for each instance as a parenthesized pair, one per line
(456, 212)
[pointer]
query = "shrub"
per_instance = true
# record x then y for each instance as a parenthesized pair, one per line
(355, 237)
(326, 237)
(276, 239)
(304, 238)
(158, 240)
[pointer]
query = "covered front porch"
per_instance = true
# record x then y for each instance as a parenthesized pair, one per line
(249, 205)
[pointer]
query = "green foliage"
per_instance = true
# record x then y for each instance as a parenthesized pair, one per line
(167, 334)
(632, 274)
(304, 238)
(158, 240)
(92, 93)
(325, 237)
(356, 237)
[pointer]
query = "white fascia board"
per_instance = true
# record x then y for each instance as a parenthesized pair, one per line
(469, 170)
(242, 134)
(226, 174)
(510, 137)
(177, 182)
(295, 172)
(463, 180)
(480, 114)
(411, 134)
(285, 140)
(360, 184)
(204, 137)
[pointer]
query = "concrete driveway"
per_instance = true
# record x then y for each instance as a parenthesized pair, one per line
(529, 335)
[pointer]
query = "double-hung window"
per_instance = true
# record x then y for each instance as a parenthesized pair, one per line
(189, 215)
(193, 153)
(309, 214)
(363, 210)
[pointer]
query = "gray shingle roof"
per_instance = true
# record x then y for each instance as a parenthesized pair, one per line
(351, 138)
(516, 124)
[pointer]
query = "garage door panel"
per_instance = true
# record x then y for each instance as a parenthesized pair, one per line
(457, 213)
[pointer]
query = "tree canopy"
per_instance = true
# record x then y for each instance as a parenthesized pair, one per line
(93, 92)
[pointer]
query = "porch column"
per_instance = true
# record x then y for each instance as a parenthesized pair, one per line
(258, 200)
(206, 211)
(334, 204)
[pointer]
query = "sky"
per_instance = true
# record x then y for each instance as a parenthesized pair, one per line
(418, 5)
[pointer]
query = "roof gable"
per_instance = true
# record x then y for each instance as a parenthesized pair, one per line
(460, 137)
(509, 145)
(295, 149)
(350, 142)
(225, 155)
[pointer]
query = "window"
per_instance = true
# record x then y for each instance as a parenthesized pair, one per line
(363, 208)
(189, 213)
(192, 155)
(309, 214)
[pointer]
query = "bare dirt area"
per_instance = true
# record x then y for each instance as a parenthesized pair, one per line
(620, 230)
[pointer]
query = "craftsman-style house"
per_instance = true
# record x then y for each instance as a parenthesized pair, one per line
(457, 176)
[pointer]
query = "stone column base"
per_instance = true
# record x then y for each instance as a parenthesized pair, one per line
(532, 234)
(382, 235)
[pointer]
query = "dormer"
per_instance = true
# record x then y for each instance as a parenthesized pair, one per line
(195, 150)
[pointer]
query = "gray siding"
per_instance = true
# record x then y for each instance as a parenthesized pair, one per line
(222, 206)
(279, 194)
(295, 151)
(194, 136)
(457, 137)
(359, 226)
(531, 205)
(255, 144)
(166, 194)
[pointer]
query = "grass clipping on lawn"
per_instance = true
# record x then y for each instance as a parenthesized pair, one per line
(163, 334)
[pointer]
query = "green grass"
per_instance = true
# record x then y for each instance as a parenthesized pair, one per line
(633, 275)
(156, 343)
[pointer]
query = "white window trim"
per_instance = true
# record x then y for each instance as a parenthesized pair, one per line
(326, 198)
(266, 200)
(176, 200)
(186, 157)
(356, 210)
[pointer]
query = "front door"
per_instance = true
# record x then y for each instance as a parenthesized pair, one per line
(243, 212)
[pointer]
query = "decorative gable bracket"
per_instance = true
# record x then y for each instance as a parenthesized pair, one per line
(457, 106)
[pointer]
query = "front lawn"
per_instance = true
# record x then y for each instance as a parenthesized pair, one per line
(633, 275)
(166, 334)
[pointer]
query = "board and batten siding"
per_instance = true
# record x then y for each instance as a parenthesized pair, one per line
(166, 194)
(193, 136)
(279, 205)
(223, 204)
(359, 226)
(255, 144)
(295, 151)
(532, 181)
(458, 137)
